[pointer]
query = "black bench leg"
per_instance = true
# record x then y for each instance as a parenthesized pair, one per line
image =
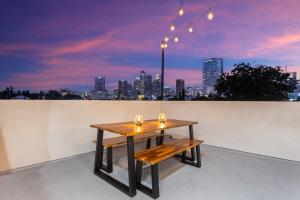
(183, 157)
(148, 143)
(162, 136)
(155, 181)
(139, 168)
(198, 153)
(109, 159)
(154, 191)
(157, 140)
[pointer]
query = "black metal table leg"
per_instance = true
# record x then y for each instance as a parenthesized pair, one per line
(130, 190)
(148, 143)
(99, 151)
(192, 137)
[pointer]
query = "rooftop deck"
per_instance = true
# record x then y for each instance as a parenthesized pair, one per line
(225, 174)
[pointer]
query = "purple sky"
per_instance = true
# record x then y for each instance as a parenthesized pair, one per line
(66, 43)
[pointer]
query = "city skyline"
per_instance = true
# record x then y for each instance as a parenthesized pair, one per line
(60, 45)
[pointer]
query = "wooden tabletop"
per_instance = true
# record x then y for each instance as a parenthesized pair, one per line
(130, 129)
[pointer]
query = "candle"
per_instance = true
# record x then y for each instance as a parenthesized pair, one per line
(139, 119)
(162, 118)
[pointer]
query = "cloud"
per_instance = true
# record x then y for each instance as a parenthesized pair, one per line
(275, 43)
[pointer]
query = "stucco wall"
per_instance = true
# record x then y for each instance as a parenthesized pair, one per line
(266, 128)
(32, 132)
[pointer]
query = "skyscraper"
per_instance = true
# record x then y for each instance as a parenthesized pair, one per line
(123, 89)
(179, 88)
(100, 83)
(156, 85)
(212, 70)
(145, 84)
(136, 87)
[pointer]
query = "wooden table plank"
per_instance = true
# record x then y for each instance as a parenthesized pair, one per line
(130, 129)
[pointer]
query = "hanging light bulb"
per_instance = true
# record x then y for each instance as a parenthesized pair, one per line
(180, 11)
(191, 28)
(172, 27)
(176, 39)
(166, 38)
(163, 45)
(210, 15)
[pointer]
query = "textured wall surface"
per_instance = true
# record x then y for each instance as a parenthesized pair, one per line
(33, 132)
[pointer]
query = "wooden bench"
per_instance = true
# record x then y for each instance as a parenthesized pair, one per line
(160, 153)
(109, 143)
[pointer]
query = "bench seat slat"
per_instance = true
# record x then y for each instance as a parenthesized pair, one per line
(157, 154)
(121, 140)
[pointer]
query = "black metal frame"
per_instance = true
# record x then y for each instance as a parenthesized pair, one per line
(135, 172)
(154, 192)
(109, 157)
(160, 139)
(129, 189)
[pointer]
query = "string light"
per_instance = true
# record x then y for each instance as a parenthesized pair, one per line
(172, 27)
(163, 45)
(176, 39)
(210, 15)
(181, 11)
(166, 38)
(191, 28)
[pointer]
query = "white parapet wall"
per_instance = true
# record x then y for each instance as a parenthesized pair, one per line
(33, 132)
(266, 128)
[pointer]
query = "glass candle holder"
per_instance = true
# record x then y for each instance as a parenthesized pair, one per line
(162, 118)
(138, 119)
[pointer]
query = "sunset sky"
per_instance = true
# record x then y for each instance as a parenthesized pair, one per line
(53, 44)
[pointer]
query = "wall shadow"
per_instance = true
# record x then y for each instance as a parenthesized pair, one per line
(4, 162)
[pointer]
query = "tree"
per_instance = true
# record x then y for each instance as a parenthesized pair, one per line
(260, 83)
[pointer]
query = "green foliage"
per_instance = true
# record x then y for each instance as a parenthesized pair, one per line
(260, 83)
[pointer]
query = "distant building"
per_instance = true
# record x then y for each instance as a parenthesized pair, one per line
(197, 91)
(123, 89)
(100, 83)
(212, 70)
(168, 91)
(189, 91)
(145, 84)
(293, 75)
(136, 87)
(179, 87)
(156, 86)
(99, 95)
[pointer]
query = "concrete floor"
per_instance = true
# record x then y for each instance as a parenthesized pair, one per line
(225, 175)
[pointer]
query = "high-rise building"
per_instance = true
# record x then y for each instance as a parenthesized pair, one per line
(145, 84)
(179, 87)
(136, 87)
(156, 86)
(123, 89)
(100, 83)
(212, 70)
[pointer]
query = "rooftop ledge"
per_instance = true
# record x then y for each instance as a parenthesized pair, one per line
(33, 132)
